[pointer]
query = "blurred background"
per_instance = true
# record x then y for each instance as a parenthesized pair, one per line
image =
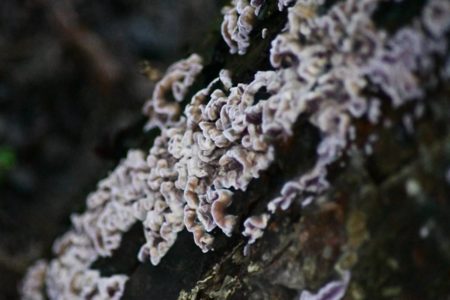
(72, 83)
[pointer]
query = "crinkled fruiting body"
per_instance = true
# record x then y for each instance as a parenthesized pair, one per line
(341, 53)
(33, 284)
(322, 67)
(334, 290)
(254, 227)
(238, 23)
(164, 106)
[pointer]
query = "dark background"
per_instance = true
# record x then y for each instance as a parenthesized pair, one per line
(71, 90)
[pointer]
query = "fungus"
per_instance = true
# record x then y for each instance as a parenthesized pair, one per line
(283, 3)
(334, 290)
(226, 136)
(340, 72)
(264, 33)
(238, 23)
(221, 199)
(178, 78)
(32, 285)
(254, 227)
(435, 17)
(257, 5)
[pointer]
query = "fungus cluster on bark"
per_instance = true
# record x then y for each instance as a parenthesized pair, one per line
(323, 62)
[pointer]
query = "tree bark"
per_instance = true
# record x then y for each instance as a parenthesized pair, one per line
(386, 216)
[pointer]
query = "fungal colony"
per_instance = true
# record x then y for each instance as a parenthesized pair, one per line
(324, 61)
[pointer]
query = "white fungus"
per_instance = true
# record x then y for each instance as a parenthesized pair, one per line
(334, 290)
(226, 136)
(162, 109)
(32, 285)
(238, 24)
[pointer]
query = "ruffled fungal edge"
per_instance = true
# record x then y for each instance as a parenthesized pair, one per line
(221, 142)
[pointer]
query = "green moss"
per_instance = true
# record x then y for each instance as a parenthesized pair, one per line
(7, 160)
